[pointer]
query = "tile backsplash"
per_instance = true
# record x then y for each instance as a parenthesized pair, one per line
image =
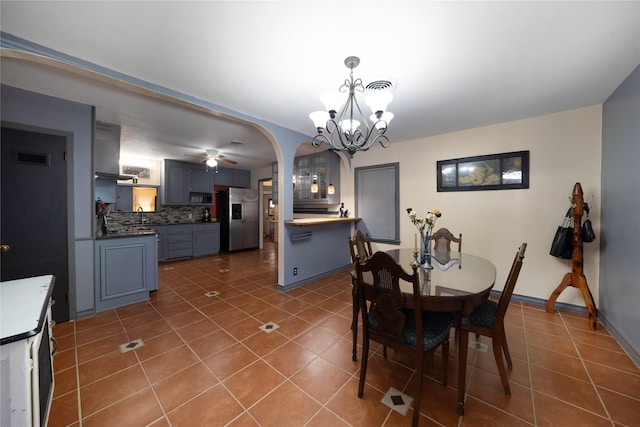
(166, 215)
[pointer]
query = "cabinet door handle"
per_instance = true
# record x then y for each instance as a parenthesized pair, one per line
(5, 248)
(55, 346)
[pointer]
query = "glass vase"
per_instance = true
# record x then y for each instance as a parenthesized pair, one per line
(425, 249)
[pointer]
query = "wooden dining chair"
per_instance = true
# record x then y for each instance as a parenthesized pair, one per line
(488, 319)
(397, 320)
(360, 247)
(442, 240)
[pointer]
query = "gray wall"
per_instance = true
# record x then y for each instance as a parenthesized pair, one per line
(620, 222)
(35, 111)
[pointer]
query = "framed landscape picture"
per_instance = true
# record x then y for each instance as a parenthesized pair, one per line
(503, 171)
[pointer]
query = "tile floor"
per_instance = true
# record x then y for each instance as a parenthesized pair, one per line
(253, 356)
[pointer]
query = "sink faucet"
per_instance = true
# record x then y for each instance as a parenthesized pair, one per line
(141, 213)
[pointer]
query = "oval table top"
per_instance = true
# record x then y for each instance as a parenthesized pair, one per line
(452, 274)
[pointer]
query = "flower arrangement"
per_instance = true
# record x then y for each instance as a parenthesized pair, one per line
(102, 208)
(424, 223)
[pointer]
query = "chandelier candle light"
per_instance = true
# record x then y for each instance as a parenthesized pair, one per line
(425, 227)
(339, 126)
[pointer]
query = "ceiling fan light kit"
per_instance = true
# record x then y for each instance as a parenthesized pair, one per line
(339, 126)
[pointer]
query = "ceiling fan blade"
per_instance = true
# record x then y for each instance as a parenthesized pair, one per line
(222, 159)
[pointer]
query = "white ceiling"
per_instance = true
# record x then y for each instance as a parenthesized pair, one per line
(456, 65)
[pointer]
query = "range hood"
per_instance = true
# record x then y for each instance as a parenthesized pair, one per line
(113, 176)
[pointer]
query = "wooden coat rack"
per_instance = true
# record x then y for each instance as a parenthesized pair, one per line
(576, 277)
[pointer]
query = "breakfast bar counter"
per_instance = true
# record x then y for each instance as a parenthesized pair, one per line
(304, 222)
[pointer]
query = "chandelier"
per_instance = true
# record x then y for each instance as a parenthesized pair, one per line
(340, 125)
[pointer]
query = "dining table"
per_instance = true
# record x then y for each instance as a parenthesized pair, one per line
(451, 282)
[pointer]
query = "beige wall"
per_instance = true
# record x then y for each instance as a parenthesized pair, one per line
(565, 148)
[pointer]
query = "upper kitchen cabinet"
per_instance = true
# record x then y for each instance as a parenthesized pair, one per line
(186, 184)
(233, 177)
(274, 183)
(324, 169)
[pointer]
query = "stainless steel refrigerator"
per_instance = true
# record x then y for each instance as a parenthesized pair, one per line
(238, 214)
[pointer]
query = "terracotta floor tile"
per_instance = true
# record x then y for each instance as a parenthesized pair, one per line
(383, 374)
(214, 407)
(272, 314)
(104, 366)
(134, 310)
(102, 393)
(145, 331)
(553, 412)
(157, 345)
(244, 329)
(294, 326)
(488, 388)
(558, 362)
(320, 379)
(551, 328)
(340, 355)
(477, 413)
(146, 317)
(100, 347)
(169, 363)
(551, 342)
(253, 383)
(181, 387)
(64, 359)
(622, 409)
(337, 325)
(140, 409)
(230, 360)
(185, 318)
(615, 379)
(365, 411)
(326, 418)
(264, 343)
(64, 410)
(212, 343)
(317, 340)
(197, 330)
(64, 329)
(607, 357)
(290, 358)
(94, 334)
(287, 402)
(66, 342)
(228, 318)
(579, 393)
(97, 321)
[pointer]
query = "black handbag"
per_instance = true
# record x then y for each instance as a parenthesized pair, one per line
(561, 245)
(588, 235)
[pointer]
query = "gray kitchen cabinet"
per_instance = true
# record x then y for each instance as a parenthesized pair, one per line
(163, 241)
(206, 239)
(324, 168)
(174, 183)
(274, 182)
(124, 199)
(179, 241)
(233, 177)
(186, 183)
(126, 269)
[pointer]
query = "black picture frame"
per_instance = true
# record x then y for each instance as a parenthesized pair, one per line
(504, 171)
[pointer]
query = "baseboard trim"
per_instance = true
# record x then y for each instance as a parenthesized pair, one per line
(290, 286)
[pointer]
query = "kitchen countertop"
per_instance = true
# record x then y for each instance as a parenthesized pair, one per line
(303, 222)
(23, 306)
(123, 234)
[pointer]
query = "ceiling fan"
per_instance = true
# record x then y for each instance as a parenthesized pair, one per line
(213, 157)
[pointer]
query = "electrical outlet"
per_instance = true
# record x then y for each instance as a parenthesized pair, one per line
(295, 271)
